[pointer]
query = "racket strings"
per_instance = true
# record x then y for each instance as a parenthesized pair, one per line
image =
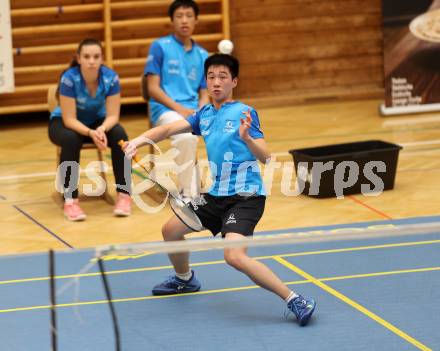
(181, 209)
(185, 213)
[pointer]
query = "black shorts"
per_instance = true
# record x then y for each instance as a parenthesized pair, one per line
(225, 214)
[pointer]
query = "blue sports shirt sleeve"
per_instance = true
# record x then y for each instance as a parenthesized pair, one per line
(115, 87)
(67, 86)
(255, 129)
(194, 121)
(154, 59)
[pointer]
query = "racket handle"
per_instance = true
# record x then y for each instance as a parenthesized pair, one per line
(121, 144)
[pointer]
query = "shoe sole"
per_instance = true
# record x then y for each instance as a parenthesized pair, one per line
(305, 320)
(162, 293)
(76, 219)
(121, 213)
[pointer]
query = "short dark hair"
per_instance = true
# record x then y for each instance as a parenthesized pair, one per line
(223, 60)
(183, 3)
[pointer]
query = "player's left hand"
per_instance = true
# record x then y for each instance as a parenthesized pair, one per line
(100, 143)
(245, 125)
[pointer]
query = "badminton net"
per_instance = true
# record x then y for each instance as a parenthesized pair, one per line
(113, 288)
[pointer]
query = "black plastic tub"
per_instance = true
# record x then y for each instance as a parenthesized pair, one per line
(342, 169)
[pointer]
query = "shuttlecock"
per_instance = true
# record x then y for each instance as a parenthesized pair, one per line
(225, 46)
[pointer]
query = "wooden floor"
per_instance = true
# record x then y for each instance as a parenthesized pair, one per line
(31, 221)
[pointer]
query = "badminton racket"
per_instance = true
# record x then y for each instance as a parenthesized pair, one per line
(181, 209)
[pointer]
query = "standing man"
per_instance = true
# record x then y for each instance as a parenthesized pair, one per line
(177, 87)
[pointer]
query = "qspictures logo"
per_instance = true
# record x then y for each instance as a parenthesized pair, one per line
(240, 177)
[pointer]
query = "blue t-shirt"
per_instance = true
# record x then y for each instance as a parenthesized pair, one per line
(234, 168)
(181, 73)
(88, 109)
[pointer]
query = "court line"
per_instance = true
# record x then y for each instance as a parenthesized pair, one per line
(411, 121)
(418, 143)
(42, 226)
(420, 170)
(424, 150)
(206, 263)
(383, 214)
(353, 304)
(28, 175)
(373, 133)
(224, 290)
(42, 174)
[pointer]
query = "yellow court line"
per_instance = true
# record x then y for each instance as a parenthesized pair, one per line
(361, 248)
(141, 298)
(207, 263)
(353, 304)
(380, 274)
(206, 292)
(96, 274)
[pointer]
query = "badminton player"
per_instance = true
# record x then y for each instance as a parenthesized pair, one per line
(236, 200)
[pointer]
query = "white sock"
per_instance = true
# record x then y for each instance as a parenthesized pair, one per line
(291, 296)
(185, 276)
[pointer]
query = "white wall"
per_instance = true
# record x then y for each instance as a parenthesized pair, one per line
(6, 58)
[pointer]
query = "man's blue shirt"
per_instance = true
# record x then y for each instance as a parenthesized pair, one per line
(233, 166)
(181, 72)
(88, 109)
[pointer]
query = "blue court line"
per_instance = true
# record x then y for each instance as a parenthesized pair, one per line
(44, 227)
(410, 220)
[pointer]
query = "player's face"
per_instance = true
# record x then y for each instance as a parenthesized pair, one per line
(90, 58)
(184, 21)
(220, 83)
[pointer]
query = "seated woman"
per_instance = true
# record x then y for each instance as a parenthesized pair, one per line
(89, 105)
